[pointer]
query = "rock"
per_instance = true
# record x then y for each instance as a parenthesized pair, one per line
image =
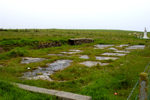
(136, 47)
(113, 54)
(27, 60)
(72, 52)
(44, 73)
(122, 45)
(93, 63)
(78, 41)
(102, 46)
(84, 57)
(106, 58)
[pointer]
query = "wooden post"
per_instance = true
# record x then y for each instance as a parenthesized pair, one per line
(143, 86)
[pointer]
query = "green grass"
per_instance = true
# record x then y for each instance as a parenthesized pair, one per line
(11, 92)
(100, 82)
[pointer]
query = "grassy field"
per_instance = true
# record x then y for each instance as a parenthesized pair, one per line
(100, 82)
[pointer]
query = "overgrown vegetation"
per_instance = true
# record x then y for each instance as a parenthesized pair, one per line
(100, 82)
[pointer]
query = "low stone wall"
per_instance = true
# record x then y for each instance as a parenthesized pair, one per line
(78, 41)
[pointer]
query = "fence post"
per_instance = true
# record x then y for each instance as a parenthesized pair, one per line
(143, 86)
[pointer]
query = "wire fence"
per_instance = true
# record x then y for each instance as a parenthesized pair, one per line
(134, 92)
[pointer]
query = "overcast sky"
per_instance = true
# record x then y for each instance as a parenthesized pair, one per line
(75, 14)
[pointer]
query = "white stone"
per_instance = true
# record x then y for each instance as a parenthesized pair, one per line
(106, 58)
(84, 57)
(113, 54)
(102, 46)
(72, 52)
(93, 63)
(145, 34)
(136, 47)
(45, 72)
(27, 60)
(122, 45)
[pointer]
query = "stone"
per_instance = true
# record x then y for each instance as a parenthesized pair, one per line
(78, 41)
(84, 57)
(72, 52)
(113, 49)
(136, 47)
(145, 34)
(27, 60)
(44, 73)
(102, 46)
(113, 54)
(122, 45)
(106, 58)
(93, 63)
(122, 51)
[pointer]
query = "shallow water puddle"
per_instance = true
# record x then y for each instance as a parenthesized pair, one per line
(84, 57)
(44, 73)
(27, 60)
(102, 46)
(93, 63)
(106, 58)
(113, 54)
(136, 47)
(72, 52)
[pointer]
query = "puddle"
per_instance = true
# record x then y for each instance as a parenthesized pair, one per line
(136, 47)
(123, 45)
(93, 63)
(84, 57)
(44, 73)
(106, 58)
(113, 54)
(27, 60)
(55, 55)
(102, 46)
(72, 52)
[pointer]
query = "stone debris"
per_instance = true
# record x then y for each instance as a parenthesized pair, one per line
(93, 63)
(84, 57)
(106, 58)
(136, 47)
(122, 45)
(72, 52)
(27, 60)
(44, 73)
(113, 54)
(102, 46)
